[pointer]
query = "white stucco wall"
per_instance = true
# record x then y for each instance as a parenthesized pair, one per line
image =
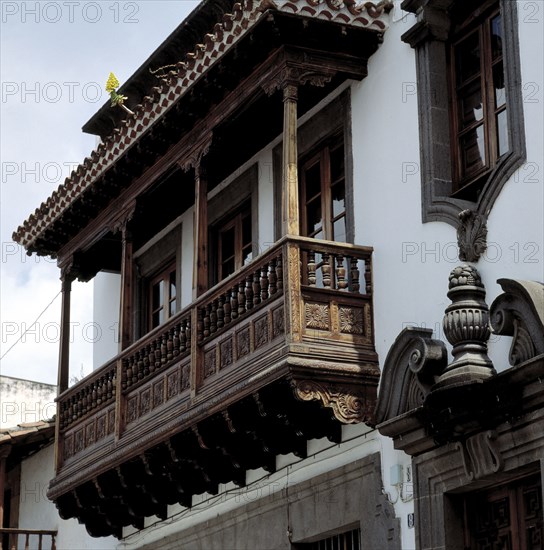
(37, 512)
(23, 401)
(106, 300)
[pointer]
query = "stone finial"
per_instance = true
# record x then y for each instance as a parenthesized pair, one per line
(466, 326)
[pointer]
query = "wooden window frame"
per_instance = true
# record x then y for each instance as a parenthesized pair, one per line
(235, 220)
(163, 275)
(322, 154)
(465, 185)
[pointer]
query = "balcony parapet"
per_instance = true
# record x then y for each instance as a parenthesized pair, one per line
(278, 353)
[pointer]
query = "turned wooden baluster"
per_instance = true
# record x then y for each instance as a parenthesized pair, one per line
(368, 277)
(279, 274)
(220, 312)
(256, 285)
(200, 325)
(264, 283)
(341, 282)
(176, 339)
(161, 356)
(94, 395)
(311, 268)
(140, 373)
(100, 390)
(188, 334)
(213, 317)
(149, 359)
(227, 308)
(206, 320)
(241, 298)
(272, 279)
(249, 292)
(182, 338)
(326, 270)
(354, 270)
(234, 303)
(170, 344)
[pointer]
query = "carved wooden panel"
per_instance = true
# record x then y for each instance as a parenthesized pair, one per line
(157, 392)
(317, 316)
(226, 353)
(352, 320)
(210, 363)
(243, 342)
(278, 321)
(260, 327)
(86, 434)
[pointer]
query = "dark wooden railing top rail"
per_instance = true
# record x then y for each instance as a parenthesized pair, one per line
(27, 533)
(254, 284)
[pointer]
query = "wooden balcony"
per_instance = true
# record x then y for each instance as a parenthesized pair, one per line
(279, 353)
(45, 540)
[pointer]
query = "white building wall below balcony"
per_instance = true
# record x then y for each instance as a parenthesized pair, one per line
(106, 300)
(36, 511)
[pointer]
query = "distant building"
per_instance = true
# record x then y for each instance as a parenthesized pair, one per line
(299, 198)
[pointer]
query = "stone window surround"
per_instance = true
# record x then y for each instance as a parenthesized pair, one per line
(429, 38)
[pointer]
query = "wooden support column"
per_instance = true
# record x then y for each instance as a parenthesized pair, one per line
(4, 452)
(200, 232)
(290, 208)
(67, 276)
(127, 281)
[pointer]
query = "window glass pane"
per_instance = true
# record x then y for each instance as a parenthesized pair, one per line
(338, 195)
(246, 230)
(502, 133)
(470, 104)
(172, 307)
(337, 164)
(158, 318)
(339, 227)
(227, 268)
(158, 295)
(472, 151)
(172, 285)
(313, 216)
(498, 82)
(313, 181)
(467, 58)
(496, 36)
(227, 244)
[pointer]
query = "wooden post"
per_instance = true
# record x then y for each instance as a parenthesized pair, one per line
(64, 345)
(290, 209)
(125, 313)
(200, 233)
(4, 452)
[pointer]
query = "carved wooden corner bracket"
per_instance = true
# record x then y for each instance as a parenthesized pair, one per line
(194, 158)
(290, 78)
(349, 405)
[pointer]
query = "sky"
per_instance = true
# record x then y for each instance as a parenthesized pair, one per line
(55, 58)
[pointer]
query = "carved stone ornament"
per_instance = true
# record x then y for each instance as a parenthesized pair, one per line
(519, 313)
(413, 362)
(348, 404)
(466, 326)
(471, 235)
(481, 455)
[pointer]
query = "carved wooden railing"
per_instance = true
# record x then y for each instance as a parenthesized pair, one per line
(28, 535)
(300, 290)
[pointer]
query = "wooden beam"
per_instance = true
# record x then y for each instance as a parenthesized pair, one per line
(290, 208)
(67, 276)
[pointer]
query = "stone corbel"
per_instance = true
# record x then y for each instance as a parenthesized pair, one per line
(519, 313)
(411, 367)
(471, 235)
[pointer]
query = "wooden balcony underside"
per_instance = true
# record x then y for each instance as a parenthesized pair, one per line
(278, 354)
